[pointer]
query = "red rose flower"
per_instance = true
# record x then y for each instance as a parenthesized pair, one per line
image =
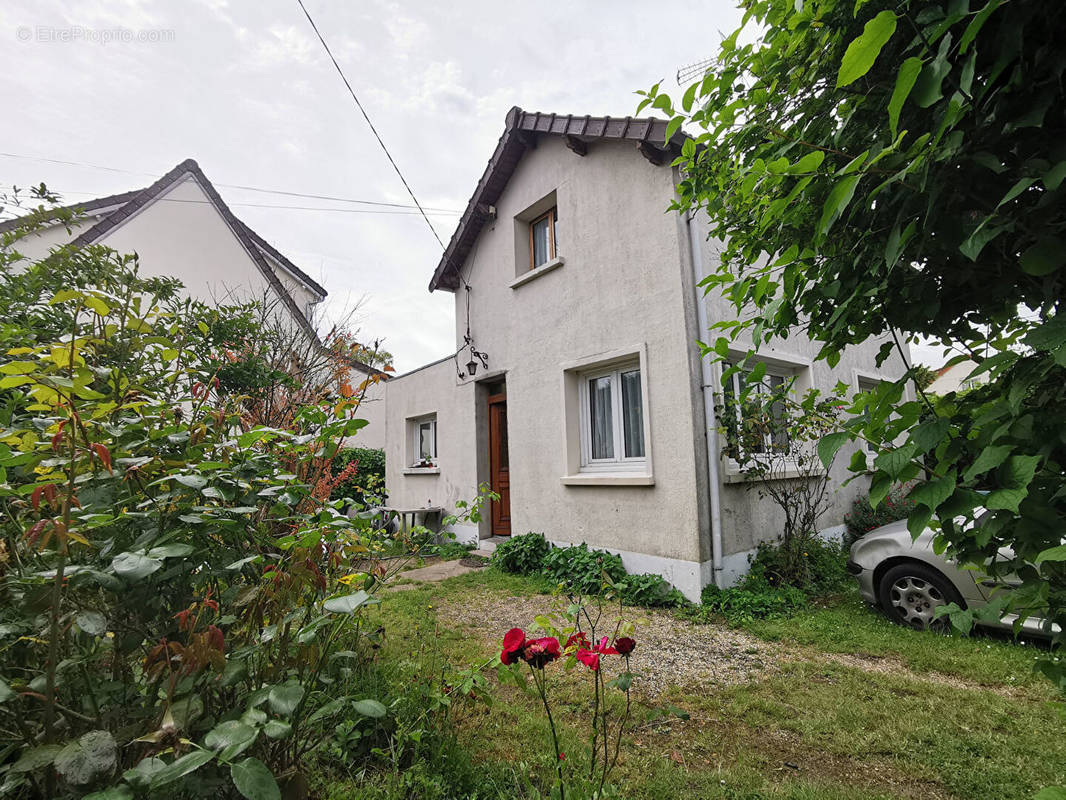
(624, 645)
(540, 652)
(578, 640)
(589, 659)
(513, 642)
(604, 649)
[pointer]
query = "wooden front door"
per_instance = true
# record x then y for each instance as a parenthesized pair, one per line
(499, 477)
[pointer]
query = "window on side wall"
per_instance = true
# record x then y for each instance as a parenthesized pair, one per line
(866, 385)
(542, 238)
(612, 419)
(423, 442)
(751, 426)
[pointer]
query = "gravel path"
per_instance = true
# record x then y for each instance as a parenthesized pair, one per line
(670, 652)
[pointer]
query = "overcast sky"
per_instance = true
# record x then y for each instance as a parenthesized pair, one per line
(243, 87)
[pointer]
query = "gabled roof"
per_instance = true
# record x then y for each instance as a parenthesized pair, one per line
(132, 201)
(258, 249)
(521, 130)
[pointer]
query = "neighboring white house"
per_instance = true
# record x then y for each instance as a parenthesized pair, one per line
(956, 378)
(180, 227)
(585, 403)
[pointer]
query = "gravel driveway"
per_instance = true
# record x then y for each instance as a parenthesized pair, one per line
(670, 652)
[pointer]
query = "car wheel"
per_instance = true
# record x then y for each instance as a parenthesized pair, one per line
(911, 593)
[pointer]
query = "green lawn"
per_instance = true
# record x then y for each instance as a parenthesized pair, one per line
(855, 707)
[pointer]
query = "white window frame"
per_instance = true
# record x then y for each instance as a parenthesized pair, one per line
(620, 462)
(872, 382)
(786, 373)
(416, 441)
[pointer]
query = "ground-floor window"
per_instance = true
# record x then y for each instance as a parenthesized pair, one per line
(612, 418)
(423, 441)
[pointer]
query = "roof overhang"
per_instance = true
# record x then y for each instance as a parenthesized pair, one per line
(521, 131)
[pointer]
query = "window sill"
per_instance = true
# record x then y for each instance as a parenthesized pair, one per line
(731, 475)
(533, 274)
(608, 479)
(421, 471)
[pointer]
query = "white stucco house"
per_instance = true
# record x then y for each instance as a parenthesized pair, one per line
(577, 391)
(180, 227)
(956, 378)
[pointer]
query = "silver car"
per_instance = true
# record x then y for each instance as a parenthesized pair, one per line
(909, 581)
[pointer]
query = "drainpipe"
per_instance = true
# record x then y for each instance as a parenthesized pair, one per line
(710, 423)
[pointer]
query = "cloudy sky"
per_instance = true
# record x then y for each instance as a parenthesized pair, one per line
(243, 87)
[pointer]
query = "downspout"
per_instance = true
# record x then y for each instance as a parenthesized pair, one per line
(710, 422)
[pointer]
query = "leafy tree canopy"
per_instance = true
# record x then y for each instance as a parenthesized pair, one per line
(896, 169)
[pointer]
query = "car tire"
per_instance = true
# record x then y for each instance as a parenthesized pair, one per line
(910, 593)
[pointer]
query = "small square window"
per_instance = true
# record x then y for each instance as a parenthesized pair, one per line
(423, 433)
(612, 419)
(542, 239)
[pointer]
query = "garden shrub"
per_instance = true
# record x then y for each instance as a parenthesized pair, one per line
(650, 591)
(748, 601)
(523, 555)
(182, 612)
(581, 570)
(863, 517)
(360, 476)
(822, 567)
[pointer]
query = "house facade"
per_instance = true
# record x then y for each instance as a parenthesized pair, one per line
(180, 227)
(577, 391)
(956, 378)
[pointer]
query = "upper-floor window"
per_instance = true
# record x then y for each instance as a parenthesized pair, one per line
(542, 238)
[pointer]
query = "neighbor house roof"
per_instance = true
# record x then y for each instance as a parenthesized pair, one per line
(521, 131)
(117, 208)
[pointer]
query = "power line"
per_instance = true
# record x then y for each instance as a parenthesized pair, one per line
(377, 136)
(230, 185)
(404, 213)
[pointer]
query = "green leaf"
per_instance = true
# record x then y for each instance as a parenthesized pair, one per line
(905, 78)
(277, 729)
(1018, 472)
(134, 566)
(370, 708)
(6, 692)
(894, 461)
(1005, 499)
(918, 520)
(254, 780)
(192, 481)
(120, 792)
(967, 38)
(190, 762)
(829, 445)
(93, 755)
(927, 87)
(1053, 177)
(836, 202)
(36, 757)
(990, 458)
(285, 698)
(1057, 553)
(1046, 256)
(864, 49)
(231, 735)
(347, 604)
(932, 493)
(172, 550)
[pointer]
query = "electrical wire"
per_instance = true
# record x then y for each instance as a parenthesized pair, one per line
(229, 185)
(377, 136)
